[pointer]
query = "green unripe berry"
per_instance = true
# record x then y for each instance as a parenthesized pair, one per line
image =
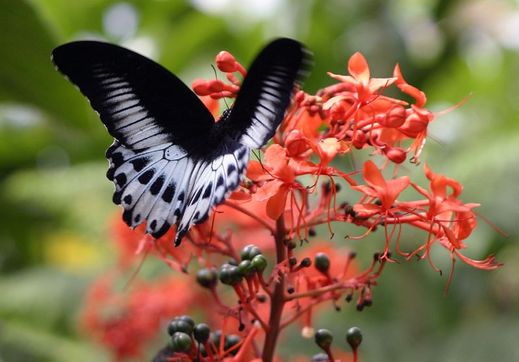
(207, 277)
(323, 338)
(201, 332)
(249, 252)
(354, 337)
(306, 262)
(181, 342)
(246, 268)
(259, 262)
(322, 262)
(178, 325)
(230, 341)
(230, 274)
(187, 319)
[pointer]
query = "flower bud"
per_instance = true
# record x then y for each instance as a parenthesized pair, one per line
(226, 62)
(354, 337)
(323, 338)
(201, 87)
(414, 125)
(358, 139)
(296, 143)
(394, 118)
(207, 277)
(396, 154)
(216, 86)
(181, 342)
(322, 262)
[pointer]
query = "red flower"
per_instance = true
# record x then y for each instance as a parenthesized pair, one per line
(378, 188)
(360, 80)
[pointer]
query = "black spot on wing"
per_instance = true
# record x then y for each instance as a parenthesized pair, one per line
(127, 217)
(116, 198)
(167, 195)
(156, 186)
(139, 163)
(120, 179)
(241, 153)
(231, 168)
(146, 176)
(208, 190)
(219, 182)
(160, 232)
(110, 173)
(197, 196)
(117, 158)
(110, 150)
(127, 199)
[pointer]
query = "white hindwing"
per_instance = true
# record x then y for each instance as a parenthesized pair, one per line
(164, 186)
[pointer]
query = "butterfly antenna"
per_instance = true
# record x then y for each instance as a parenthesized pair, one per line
(216, 77)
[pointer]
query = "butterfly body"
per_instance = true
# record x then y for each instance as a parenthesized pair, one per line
(170, 161)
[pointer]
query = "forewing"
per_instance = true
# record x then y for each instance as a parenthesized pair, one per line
(141, 103)
(266, 92)
(164, 186)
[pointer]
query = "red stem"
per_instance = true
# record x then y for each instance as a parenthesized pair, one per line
(278, 296)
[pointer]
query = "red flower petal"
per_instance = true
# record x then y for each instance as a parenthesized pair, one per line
(358, 67)
(276, 204)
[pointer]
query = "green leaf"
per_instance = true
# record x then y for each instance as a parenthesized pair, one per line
(26, 72)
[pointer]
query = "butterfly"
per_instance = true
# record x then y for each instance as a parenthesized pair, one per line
(171, 163)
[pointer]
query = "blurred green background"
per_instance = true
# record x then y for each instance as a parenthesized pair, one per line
(56, 203)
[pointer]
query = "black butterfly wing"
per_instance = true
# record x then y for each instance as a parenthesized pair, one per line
(141, 103)
(266, 92)
(158, 124)
(163, 169)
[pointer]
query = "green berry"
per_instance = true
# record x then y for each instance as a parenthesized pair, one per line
(306, 262)
(230, 341)
(322, 262)
(259, 262)
(246, 268)
(207, 277)
(201, 332)
(178, 325)
(249, 252)
(323, 338)
(354, 337)
(181, 342)
(230, 274)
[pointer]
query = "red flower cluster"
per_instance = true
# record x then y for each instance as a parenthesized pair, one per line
(291, 189)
